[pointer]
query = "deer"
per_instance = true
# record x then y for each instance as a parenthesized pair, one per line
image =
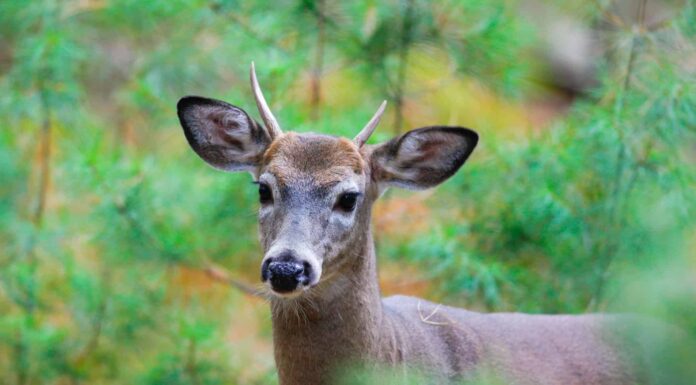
(316, 194)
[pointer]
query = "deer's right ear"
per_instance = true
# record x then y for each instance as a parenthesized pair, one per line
(221, 134)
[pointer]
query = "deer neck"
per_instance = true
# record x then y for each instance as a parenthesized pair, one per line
(337, 321)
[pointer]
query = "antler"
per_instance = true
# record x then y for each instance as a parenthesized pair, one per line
(365, 133)
(266, 114)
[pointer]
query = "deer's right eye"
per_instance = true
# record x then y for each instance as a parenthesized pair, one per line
(265, 194)
(346, 202)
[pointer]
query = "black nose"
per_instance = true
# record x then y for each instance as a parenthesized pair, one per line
(285, 274)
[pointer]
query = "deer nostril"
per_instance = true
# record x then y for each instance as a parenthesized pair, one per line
(264, 270)
(304, 276)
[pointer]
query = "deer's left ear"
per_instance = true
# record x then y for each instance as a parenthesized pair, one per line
(422, 158)
(221, 134)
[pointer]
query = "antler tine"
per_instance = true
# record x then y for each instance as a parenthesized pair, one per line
(369, 128)
(264, 110)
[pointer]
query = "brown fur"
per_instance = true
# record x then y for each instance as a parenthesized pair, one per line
(349, 323)
(322, 158)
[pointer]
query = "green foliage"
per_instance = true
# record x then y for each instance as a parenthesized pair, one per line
(563, 208)
(107, 220)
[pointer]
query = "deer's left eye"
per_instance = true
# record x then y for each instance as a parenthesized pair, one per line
(265, 195)
(347, 201)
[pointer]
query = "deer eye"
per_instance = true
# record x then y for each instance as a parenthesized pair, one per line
(265, 195)
(346, 202)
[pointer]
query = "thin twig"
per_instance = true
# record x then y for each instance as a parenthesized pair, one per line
(318, 61)
(219, 274)
(406, 39)
(44, 161)
(427, 318)
(97, 326)
(190, 366)
(251, 32)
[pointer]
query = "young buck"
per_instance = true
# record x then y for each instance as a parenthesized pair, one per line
(316, 194)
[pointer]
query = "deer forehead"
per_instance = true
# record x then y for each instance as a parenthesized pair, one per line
(325, 160)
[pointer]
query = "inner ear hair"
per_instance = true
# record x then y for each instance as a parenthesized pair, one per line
(422, 158)
(223, 135)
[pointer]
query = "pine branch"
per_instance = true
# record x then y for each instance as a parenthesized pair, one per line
(215, 272)
(608, 253)
(28, 302)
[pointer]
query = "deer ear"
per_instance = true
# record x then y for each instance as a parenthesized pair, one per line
(422, 158)
(221, 134)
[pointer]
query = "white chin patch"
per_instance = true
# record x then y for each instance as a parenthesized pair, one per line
(291, 295)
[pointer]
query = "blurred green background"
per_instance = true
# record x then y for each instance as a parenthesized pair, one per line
(117, 243)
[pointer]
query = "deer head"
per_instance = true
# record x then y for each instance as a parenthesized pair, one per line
(316, 191)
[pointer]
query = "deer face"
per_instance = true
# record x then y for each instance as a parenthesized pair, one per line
(316, 191)
(311, 191)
